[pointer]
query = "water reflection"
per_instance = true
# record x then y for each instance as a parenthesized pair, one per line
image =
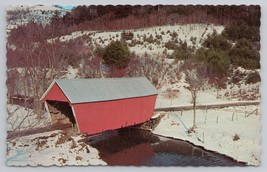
(138, 147)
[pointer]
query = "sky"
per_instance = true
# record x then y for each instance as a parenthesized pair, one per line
(66, 7)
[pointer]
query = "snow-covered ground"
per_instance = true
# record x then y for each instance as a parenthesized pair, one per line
(48, 148)
(26, 13)
(51, 148)
(182, 95)
(160, 35)
(237, 136)
(215, 127)
(71, 73)
(21, 118)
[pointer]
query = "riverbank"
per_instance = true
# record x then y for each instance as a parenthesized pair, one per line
(228, 131)
(51, 148)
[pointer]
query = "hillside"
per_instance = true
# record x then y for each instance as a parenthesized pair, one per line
(149, 40)
(21, 15)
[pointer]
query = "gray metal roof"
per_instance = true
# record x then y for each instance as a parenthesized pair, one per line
(103, 89)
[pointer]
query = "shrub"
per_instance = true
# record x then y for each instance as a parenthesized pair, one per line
(174, 35)
(116, 54)
(191, 130)
(170, 45)
(182, 51)
(127, 35)
(236, 137)
(149, 39)
(159, 37)
(193, 40)
(253, 78)
(182, 54)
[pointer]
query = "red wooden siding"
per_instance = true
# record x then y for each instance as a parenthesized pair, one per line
(96, 117)
(56, 94)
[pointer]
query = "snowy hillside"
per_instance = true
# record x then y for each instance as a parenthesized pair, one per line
(20, 15)
(151, 40)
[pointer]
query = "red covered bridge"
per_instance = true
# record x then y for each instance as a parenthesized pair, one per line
(97, 105)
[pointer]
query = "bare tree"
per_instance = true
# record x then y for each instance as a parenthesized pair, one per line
(194, 87)
(153, 69)
(42, 61)
(171, 94)
(196, 77)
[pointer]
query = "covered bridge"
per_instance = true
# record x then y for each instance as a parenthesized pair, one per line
(96, 105)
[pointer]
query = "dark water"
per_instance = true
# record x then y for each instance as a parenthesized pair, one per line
(138, 147)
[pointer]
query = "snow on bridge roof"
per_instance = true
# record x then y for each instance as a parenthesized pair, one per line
(104, 89)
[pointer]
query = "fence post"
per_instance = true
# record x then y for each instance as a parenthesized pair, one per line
(233, 116)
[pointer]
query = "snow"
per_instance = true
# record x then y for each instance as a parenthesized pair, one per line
(232, 93)
(37, 13)
(51, 148)
(185, 32)
(216, 129)
(21, 118)
(48, 148)
(74, 35)
(32, 8)
(71, 73)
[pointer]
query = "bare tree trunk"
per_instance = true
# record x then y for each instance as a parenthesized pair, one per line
(194, 97)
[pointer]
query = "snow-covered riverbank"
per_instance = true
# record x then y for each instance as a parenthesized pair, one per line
(51, 148)
(237, 136)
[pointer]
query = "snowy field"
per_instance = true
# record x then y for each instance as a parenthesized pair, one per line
(51, 148)
(229, 131)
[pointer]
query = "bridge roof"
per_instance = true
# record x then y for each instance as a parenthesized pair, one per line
(104, 89)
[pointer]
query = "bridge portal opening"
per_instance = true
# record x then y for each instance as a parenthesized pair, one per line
(61, 113)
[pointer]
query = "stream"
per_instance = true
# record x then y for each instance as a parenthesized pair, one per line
(137, 147)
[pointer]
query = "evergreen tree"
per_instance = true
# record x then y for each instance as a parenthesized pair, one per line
(182, 51)
(240, 30)
(214, 54)
(217, 42)
(217, 60)
(116, 54)
(245, 55)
